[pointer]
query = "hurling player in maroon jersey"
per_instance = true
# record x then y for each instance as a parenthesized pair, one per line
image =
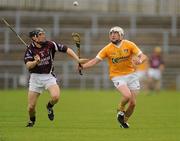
(156, 67)
(38, 58)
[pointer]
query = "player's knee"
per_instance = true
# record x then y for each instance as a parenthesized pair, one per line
(127, 97)
(55, 98)
(31, 108)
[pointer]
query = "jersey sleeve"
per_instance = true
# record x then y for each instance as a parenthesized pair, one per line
(102, 54)
(60, 47)
(135, 50)
(28, 56)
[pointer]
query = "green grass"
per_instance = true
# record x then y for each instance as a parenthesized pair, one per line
(89, 115)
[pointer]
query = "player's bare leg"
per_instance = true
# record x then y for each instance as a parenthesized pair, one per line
(150, 82)
(157, 85)
(131, 106)
(32, 100)
(54, 92)
(126, 97)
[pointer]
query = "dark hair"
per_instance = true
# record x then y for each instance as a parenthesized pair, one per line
(35, 32)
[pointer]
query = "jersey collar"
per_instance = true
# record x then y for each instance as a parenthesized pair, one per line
(118, 46)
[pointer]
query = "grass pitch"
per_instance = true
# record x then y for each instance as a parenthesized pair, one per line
(89, 115)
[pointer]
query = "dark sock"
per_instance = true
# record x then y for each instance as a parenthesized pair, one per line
(49, 105)
(33, 119)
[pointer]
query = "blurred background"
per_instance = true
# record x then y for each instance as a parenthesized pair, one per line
(148, 23)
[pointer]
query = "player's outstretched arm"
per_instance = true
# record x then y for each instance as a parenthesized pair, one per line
(71, 53)
(90, 63)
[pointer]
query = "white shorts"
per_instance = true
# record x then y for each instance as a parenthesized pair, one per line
(39, 82)
(141, 75)
(131, 80)
(154, 73)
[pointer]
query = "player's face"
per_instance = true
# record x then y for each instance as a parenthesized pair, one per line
(115, 37)
(41, 37)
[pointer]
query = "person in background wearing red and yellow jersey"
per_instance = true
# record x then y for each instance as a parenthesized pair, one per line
(119, 53)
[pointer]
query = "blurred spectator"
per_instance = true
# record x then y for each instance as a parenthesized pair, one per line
(156, 67)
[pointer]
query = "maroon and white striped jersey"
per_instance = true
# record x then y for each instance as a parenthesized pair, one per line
(46, 53)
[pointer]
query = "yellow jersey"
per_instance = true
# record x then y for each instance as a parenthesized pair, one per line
(119, 57)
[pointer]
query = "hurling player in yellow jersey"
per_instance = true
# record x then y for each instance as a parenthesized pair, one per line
(119, 53)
